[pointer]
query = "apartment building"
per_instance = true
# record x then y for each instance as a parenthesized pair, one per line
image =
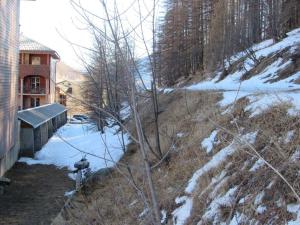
(37, 74)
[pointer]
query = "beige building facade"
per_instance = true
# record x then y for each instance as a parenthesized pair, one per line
(9, 56)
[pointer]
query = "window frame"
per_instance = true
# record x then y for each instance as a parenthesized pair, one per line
(34, 62)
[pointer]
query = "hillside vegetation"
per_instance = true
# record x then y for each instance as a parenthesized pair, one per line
(231, 144)
(200, 35)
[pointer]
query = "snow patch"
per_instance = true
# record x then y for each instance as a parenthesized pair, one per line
(163, 216)
(295, 209)
(217, 180)
(144, 213)
(229, 97)
(216, 160)
(259, 198)
(213, 212)
(244, 200)
(258, 164)
(289, 136)
(218, 187)
(125, 111)
(180, 134)
(261, 209)
(239, 218)
(296, 156)
(208, 143)
(70, 193)
(181, 214)
(261, 102)
(167, 90)
(133, 203)
(256, 47)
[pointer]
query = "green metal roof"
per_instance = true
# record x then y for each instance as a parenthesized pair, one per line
(40, 115)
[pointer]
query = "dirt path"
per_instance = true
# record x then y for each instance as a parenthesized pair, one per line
(35, 195)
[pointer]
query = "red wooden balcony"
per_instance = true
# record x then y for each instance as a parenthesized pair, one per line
(40, 70)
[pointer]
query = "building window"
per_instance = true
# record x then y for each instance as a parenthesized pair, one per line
(35, 60)
(34, 102)
(35, 83)
(69, 90)
(63, 99)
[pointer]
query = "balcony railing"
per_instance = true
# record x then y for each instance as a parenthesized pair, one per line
(37, 90)
(41, 70)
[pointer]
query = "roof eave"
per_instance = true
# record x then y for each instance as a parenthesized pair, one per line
(54, 54)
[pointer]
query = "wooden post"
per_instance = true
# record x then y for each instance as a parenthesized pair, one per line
(47, 91)
(21, 92)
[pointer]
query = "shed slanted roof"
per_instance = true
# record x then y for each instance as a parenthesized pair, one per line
(29, 45)
(39, 115)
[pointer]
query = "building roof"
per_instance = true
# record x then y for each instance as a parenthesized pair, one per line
(29, 45)
(40, 115)
(64, 86)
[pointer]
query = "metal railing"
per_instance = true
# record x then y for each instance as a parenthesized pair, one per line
(36, 90)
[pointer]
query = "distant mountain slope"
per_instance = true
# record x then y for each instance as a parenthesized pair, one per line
(145, 75)
(65, 72)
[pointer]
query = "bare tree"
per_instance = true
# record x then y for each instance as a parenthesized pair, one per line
(113, 76)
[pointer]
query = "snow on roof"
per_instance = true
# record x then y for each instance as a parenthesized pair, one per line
(27, 44)
(39, 115)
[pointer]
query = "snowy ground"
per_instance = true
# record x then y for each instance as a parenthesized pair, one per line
(63, 149)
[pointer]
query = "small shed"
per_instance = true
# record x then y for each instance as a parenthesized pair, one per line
(38, 125)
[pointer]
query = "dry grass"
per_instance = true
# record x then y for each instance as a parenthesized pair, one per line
(273, 126)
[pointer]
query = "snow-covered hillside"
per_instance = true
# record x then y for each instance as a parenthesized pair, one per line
(268, 78)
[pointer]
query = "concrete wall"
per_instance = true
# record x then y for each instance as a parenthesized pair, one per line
(9, 59)
(32, 140)
(11, 157)
(26, 142)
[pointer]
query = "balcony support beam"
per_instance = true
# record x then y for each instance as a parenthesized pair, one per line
(21, 96)
(47, 91)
